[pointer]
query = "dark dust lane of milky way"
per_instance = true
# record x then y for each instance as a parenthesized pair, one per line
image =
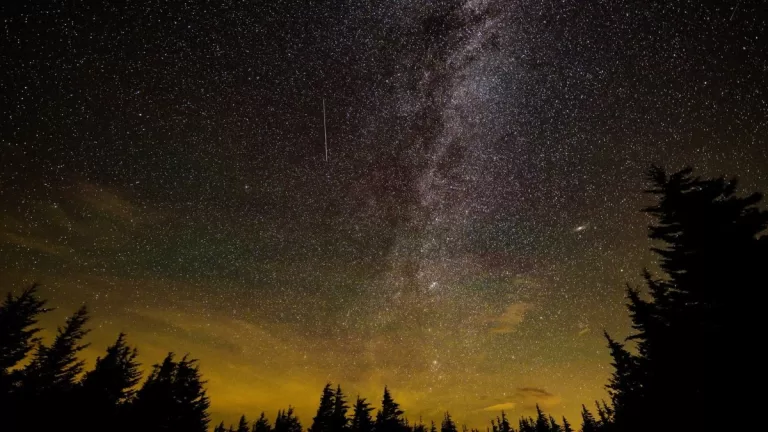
(465, 243)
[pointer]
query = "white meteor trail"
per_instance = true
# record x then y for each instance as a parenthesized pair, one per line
(325, 133)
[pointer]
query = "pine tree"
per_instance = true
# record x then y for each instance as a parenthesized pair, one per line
(448, 424)
(361, 416)
(553, 426)
(220, 428)
(286, 421)
(339, 420)
(242, 425)
(566, 426)
(55, 368)
(433, 427)
(18, 337)
(527, 425)
(389, 418)
(542, 422)
(712, 250)
(173, 398)
(501, 424)
(420, 426)
(588, 422)
(262, 424)
(322, 422)
(109, 386)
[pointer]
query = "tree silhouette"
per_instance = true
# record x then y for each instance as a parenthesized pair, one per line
(18, 338)
(339, 420)
(220, 428)
(262, 424)
(448, 424)
(389, 418)
(173, 398)
(501, 424)
(286, 421)
(542, 422)
(242, 425)
(588, 422)
(553, 426)
(432, 427)
(527, 425)
(566, 426)
(323, 420)
(711, 248)
(107, 388)
(361, 416)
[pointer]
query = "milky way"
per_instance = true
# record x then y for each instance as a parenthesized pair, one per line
(465, 244)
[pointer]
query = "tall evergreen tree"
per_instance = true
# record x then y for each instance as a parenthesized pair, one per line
(588, 422)
(262, 424)
(323, 420)
(542, 422)
(448, 424)
(242, 425)
(55, 368)
(220, 428)
(339, 420)
(18, 337)
(109, 386)
(553, 426)
(173, 398)
(566, 426)
(712, 246)
(527, 425)
(287, 421)
(501, 424)
(432, 427)
(390, 417)
(361, 416)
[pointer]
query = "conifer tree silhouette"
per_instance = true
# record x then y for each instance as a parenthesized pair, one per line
(286, 421)
(361, 416)
(542, 422)
(242, 425)
(588, 422)
(262, 424)
(527, 425)
(712, 247)
(448, 424)
(501, 424)
(553, 426)
(173, 398)
(339, 420)
(432, 427)
(220, 428)
(107, 388)
(323, 420)
(18, 315)
(566, 426)
(389, 418)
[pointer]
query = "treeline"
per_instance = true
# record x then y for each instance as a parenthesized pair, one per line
(682, 369)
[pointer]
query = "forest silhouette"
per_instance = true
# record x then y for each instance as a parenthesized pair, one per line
(674, 371)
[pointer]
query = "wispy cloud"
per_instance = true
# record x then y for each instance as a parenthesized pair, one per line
(511, 318)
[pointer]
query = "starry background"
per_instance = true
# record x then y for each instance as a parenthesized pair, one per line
(469, 237)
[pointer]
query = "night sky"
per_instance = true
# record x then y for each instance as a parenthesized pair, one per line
(469, 237)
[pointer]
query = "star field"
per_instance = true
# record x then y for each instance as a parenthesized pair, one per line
(465, 244)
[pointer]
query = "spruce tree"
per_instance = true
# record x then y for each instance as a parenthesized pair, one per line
(339, 420)
(389, 418)
(323, 420)
(711, 246)
(262, 424)
(361, 416)
(432, 427)
(553, 426)
(18, 337)
(220, 428)
(588, 422)
(173, 398)
(242, 425)
(286, 421)
(566, 426)
(105, 390)
(55, 368)
(501, 424)
(542, 422)
(448, 424)
(527, 425)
